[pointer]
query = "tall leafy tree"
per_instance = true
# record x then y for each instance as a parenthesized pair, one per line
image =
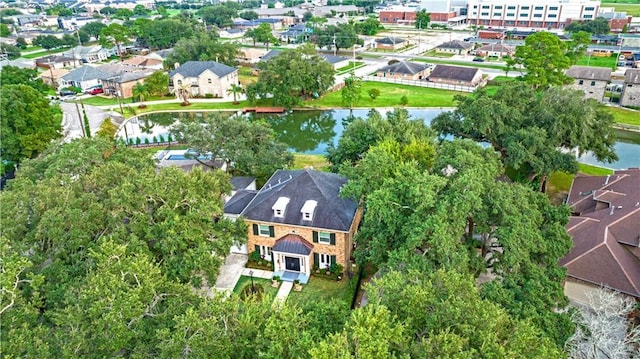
(93, 28)
(13, 75)
(246, 147)
(578, 45)
(598, 26)
(115, 35)
(423, 18)
(352, 90)
(220, 15)
(28, 123)
(157, 83)
(544, 57)
(292, 76)
(336, 37)
(370, 26)
(532, 131)
(263, 33)
(203, 47)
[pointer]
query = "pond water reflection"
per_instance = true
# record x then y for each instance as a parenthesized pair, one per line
(311, 132)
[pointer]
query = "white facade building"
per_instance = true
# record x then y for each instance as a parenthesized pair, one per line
(553, 14)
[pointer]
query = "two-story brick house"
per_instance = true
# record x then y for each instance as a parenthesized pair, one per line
(204, 78)
(591, 80)
(299, 221)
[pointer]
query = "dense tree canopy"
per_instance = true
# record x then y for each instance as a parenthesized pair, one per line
(341, 36)
(115, 35)
(533, 131)
(598, 26)
(423, 18)
(163, 33)
(220, 15)
(369, 26)
(203, 47)
(12, 75)
(292, 76)
(262, 34)
(28, 123)
(544, 58)
(247, 148)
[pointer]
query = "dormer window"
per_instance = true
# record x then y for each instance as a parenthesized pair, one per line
(280, 207)
(307, 210)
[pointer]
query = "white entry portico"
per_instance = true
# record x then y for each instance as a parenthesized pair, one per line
(292, 253)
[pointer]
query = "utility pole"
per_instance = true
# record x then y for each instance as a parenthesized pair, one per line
(335, 49)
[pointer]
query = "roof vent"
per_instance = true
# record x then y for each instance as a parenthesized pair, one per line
(307, 210)
(607, 180)
(280, 207)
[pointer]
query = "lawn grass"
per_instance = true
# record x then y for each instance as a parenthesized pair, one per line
(302, 161)
(625, 116)
(175, 106)
(480, 65)
(598, 61)
(593, 170)
(265, 283)
(434, 53)
(350, 67)
(632, 9)
(320, 289)
(40, 54)
(559, 183)
(100, 101)
(390, 94)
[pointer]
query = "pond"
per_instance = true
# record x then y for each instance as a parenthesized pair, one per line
(311, 132)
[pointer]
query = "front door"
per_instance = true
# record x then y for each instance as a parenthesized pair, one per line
(292, 263)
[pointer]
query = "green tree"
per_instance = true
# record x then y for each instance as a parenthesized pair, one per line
(532, 131)
(247, 148)
(351, 91)
(373, 93)
(249, 15)
(141, 92)
(369, 27)
(107, 129)
(263, 33)
(29, 124)
(4, 30)
(423, 18)
(598, 26)
(235, 90)
(157, 83)
(220, 15)
(13, 52)
(578, 45)
(13, 75)
(140, 10)
(544, 58)
(292, 76)
(93, 28)
(203, 47)
(340, 36)
(115, 35)
(123, 13)
(47, 41)
(308, 15)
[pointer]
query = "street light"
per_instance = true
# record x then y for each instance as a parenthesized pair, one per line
(251, 275)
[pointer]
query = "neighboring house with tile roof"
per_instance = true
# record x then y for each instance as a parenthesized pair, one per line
(298, 220)
(390, 43)
(495, 50)
(204, 77)
(250, 55)
(143, 62)
(52, 77)
(456, 75)
(590, 80)
(605, 228)
(405, 70)
(455, 47)
(631, 88)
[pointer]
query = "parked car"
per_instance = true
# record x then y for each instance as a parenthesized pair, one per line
(67, 92)
(95, 91)
(478, 59)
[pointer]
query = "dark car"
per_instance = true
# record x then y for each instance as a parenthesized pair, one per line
(95, 91)
(478, 59)
(67, 92)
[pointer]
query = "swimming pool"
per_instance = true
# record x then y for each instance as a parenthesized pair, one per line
(183, 157)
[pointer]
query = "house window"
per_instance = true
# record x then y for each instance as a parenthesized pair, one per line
(593, 83)
(588, 16)
(524, 8)
(179, 82)
(485, 6)
(580, 82)
(265, 252)
(209, 81)
(552, 15)
(484, 14)
(263, 230)
(324, 260)
(498, 7)
(324, 237)
(511, 14)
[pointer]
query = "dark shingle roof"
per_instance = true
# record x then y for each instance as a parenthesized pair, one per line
(605, 228)
(239, 201)
(271, 54)
(85, 73)
(241, 182)
(293, 243)
(589, 73)
(632, 76)
(462, 45)
(390, 40)
(196, 68)
(331, 211)
(333, 59)
(454, 73)
(496, 48)
(405, 67)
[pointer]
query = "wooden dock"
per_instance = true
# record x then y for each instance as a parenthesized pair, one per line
(264, 109)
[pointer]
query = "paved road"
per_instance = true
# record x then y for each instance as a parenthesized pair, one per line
(72, 115)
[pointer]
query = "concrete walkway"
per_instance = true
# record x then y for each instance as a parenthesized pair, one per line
(230, 272)
(283, 293)
(257, 273)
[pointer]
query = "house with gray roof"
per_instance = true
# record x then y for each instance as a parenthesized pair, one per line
(298, 221)
(405, 70)
(390, 43)
(590, 80)
(605, 227)
(631, 88)
(89, 54)
(203, 78)
(84, 77)
(455, 47)
(456, 75)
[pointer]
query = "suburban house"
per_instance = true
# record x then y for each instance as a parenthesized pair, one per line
(405, 70)
(298, 221)
(456, 75)
(495, 50)
(591, 80)
(296, 34)
(52, 76)
(122, 83)
(84, 77)
(604, 226)
(249, 55)
(57, 62)
(390, 43)
(204, 78)
(143, 62)
(455, 47)
(336, 61)
(231, 33)
(631, 88)
(89, 54)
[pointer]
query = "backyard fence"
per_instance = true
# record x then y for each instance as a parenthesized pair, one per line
(420, 83)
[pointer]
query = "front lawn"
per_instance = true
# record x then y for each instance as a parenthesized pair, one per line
(350, 67)
(302, 161)
(390, 94)
(559, 183)
(459, 63)
(40, 54)
(265, 283)
(434, 53)
(625, 116)
(598, 61)
(176, 106)
(319, 289)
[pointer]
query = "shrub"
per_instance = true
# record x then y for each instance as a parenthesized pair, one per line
(276, 277)
(138, 141)
(160, 138)
(373, 93)
(169, 138)
(146, 141)
(335, 268)
(155, 139)
(359, 57)
(255, 256)
(404, 100)
(257, 291)
(297, 281)
(209, 95)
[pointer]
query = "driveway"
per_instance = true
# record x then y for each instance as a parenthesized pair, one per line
(230, 272)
